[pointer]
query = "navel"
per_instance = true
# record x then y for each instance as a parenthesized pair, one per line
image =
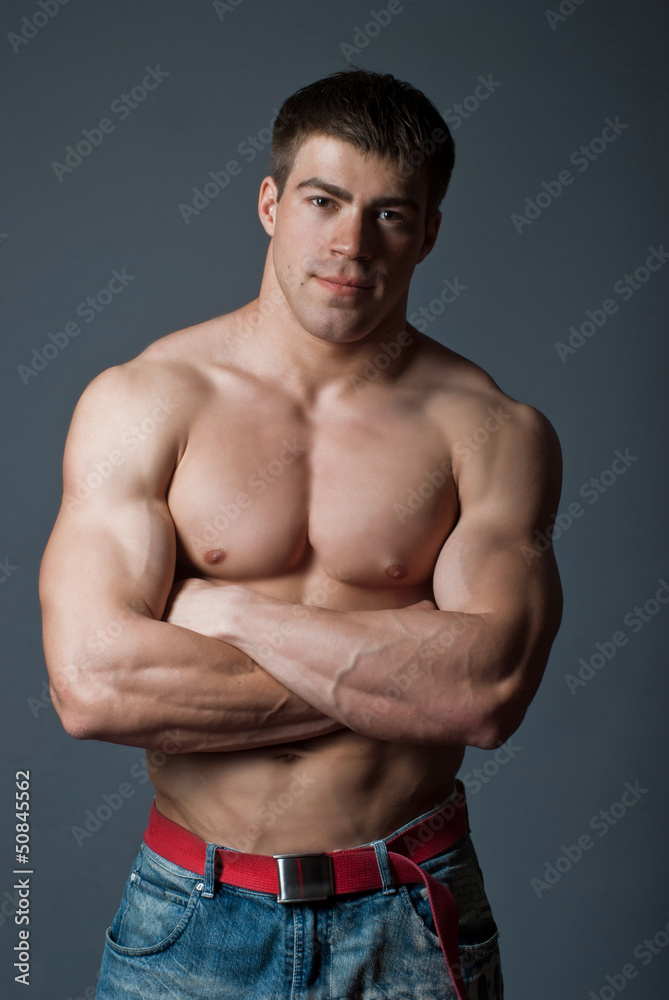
(214, 556)
(397, 571)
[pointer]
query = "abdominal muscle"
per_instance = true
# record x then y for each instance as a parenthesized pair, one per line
(326, 793)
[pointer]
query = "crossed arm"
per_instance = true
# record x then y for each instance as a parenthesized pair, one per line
(232, 669)
(117, 672)
(461, 672)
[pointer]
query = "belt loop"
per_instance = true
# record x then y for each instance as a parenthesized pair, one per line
(383, 861)
(210, 871)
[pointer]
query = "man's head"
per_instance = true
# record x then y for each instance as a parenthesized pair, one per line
(377, 114)
(359, 165)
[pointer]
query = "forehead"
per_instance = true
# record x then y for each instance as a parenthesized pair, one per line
(342, 164)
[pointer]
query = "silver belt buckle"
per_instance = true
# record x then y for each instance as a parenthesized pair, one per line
(304, 877)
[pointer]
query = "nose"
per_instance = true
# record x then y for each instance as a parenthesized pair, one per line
(351, 237)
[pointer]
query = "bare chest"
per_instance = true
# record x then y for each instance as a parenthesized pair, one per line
(362, 495)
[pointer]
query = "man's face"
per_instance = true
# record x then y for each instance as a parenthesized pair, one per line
(347, 234)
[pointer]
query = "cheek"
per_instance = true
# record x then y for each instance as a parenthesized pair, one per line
(292, 243)
(284, 254)
(401, 264)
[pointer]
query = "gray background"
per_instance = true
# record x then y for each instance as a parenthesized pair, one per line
(555, 86)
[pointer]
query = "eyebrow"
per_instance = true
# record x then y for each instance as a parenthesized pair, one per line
(390, 201)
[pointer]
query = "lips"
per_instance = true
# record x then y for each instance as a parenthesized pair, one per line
(344, 282)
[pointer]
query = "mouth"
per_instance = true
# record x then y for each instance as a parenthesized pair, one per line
(344, 286)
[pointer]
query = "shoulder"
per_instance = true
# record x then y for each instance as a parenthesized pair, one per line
(490, 435)
(175, 373)
(135, 399)
(470, 406)
(147, 401)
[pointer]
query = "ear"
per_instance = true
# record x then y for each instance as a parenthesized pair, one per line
(430, 236)
(267, 202)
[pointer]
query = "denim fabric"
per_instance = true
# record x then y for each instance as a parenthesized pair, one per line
(168, 940)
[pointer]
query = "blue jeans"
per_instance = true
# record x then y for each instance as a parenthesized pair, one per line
(174, 936)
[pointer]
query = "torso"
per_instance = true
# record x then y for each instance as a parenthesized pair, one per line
(310, 506)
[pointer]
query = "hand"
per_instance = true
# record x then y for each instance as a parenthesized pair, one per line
(195, 604)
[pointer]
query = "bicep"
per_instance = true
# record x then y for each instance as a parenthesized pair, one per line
(112, 550)
(118, 557)
(490, 564)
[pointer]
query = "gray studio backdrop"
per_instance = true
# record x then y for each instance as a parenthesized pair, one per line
(127, 217)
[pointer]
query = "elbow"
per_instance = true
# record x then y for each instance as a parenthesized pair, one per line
(504, 708)
(499, 707)
(80, 727)
(482, 716)
(81, 704)
(490, 734)
(79, 720)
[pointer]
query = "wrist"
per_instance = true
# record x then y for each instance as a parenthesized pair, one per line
(239, 610)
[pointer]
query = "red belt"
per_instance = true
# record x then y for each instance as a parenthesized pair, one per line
(295, 878)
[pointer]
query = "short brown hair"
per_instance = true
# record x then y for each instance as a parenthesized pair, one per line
(378, 114)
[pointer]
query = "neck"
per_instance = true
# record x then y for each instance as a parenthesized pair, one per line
(277, 346)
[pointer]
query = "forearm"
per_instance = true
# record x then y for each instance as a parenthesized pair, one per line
(156, 678)
(409, 675)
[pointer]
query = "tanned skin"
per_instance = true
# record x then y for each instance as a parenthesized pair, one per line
(307, 569)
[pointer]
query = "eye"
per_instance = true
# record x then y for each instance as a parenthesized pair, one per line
(389, 215)
(320, 201)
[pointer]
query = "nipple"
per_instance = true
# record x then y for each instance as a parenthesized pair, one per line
(214, 556)
(397, 571)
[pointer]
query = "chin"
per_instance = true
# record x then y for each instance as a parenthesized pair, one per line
(337, 335)
(334, 331)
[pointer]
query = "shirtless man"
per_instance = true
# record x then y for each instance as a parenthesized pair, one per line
(296, 554)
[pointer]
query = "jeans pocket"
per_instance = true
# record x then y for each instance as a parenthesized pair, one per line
(481, 969)
(479, 962)
(156, 908)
